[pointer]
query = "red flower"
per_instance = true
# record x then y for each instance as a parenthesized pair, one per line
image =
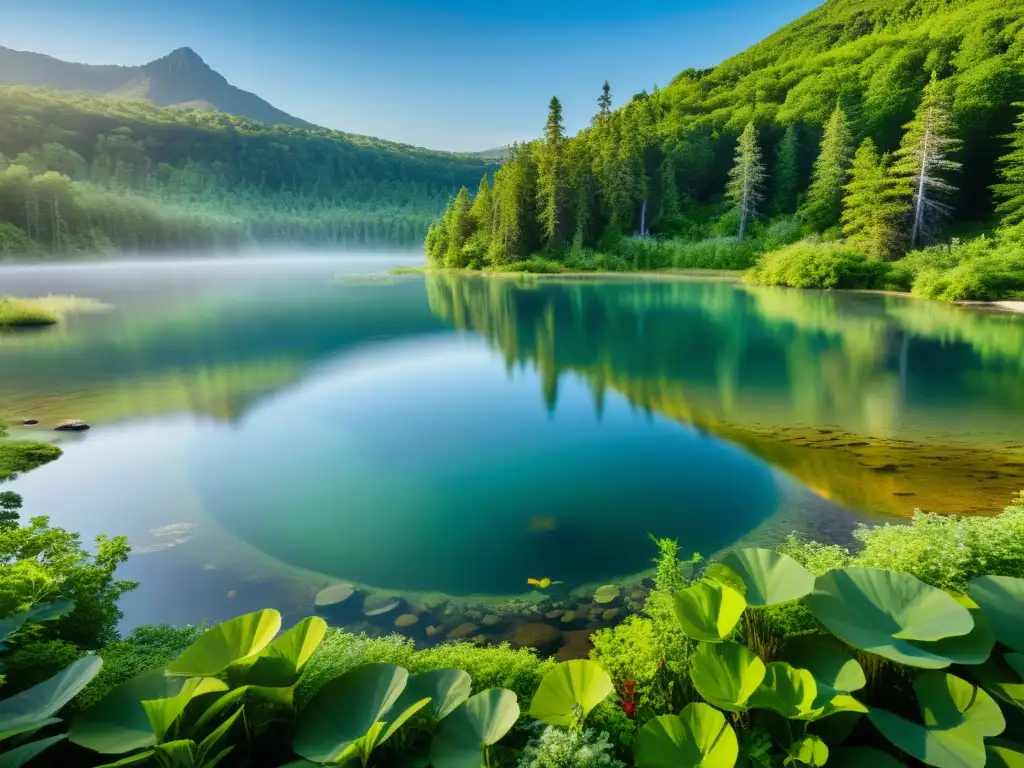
(630, 686)
(630, 709)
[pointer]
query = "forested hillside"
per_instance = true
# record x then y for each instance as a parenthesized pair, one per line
(881, 124)
(82, 172)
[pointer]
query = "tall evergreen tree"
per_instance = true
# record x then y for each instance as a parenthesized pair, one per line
(515, 234)
(786, 182)
(875, 205)
(746, 179)
(460, 227)
(483, 210)
(552, 181)
(923, 160)
(604, 102)
(1010, 191)
(824, 203)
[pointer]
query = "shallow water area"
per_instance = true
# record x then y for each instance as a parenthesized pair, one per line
(265, 426)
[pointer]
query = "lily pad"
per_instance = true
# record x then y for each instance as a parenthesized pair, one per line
(480, 722)
(698, 737)
(770, 577)
(884, 612)
(378, 605)
(227, 642)
(726, 674)
(708, 611)
(335, 594)
(446, 689)
(569, 692)
(607, 594)
(787, 690)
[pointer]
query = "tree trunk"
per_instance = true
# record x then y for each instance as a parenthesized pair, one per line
(643, 219)
(919, 208)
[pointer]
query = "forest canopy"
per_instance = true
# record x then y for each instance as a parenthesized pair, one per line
(82, 172)
(890, 122)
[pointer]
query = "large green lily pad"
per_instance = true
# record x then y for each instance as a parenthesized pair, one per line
(770, 577)
(226, 643)
(446, 689)
(569, 692)
(885, 612)
(698, 737)
(726, 674)
(345, 709)
(708, 610)
(786, 689)
(481, 721)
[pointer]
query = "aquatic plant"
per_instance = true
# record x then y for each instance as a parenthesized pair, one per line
(558, 748)
(466, 737)
(569, 692)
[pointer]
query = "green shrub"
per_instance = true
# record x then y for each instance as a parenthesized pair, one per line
(14, 241)
(632, 651)
(585, 260)
(20, 313)
(537, 265)
(561, 748)
(812, 264)
(33, 663)
(783, 231)
(491, 667)
(983, 269)
(145, 648)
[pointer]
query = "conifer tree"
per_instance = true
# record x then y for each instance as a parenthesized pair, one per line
(552, 181)
(875, 205)
(787, 171)
(604, 102)
(515, 233)
(483, 210)
(746, 178)
(923, 160)
(460, 227)
(1010, 191)
(824, 203)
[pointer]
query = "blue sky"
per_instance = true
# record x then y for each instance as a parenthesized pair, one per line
(448, 74)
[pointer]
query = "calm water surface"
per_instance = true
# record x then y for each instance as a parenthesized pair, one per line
(262, 424)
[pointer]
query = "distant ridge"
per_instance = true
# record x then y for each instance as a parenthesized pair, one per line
(181, 78)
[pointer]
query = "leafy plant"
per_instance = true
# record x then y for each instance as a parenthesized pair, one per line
(353, 715)
(464, 739)
(698, 737)
(569, 692)
(560, 748)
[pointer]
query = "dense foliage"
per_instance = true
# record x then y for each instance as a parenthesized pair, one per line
(82, 172)
(924, 88)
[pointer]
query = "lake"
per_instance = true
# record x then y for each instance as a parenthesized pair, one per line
(267, 425)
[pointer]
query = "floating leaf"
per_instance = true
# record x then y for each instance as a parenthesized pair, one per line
(698, 737)
(884, 612)
(1002, 600)
(569, 692)
(226, 643)
(40, 702)
(335, 594)
(708, 610)
(726, 674)
(606, 594)
(543, 583)
(480, 722)
(345, 709)
(378, 605)
(446, 689)
(787, 690)
(770, 577)
(810, 750)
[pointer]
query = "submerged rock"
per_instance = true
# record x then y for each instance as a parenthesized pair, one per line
(577, 645)
(406, 620)
(72, 426)
(545, 638)
(463, 631)
(378, 605)
(30, 422)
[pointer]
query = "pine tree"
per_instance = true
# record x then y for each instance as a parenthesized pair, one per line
(746, 178)
(460, 227)
(515, 234)
(604, 102)
(875, 205)
(923, 161)
(824, 204)
(787, 171)
(1010, 191)
(483, 210)
(552, 181)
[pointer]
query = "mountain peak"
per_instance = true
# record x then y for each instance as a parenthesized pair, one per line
(184, 58)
